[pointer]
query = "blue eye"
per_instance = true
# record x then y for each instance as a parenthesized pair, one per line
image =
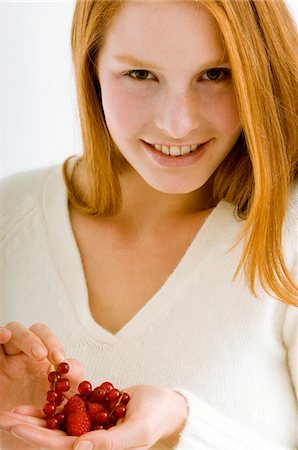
(139, 75)
(216, 74)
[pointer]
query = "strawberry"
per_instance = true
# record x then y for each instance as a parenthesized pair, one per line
(78, 423)
(74, 404)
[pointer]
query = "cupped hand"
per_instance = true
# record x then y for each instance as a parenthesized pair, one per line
(154, 414)
(25, 359)
(33, 417)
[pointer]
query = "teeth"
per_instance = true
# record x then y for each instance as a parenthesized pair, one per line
(164, 149)
(185, 149)
(174, 150)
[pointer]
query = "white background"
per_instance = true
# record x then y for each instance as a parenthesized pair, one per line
(39, 122)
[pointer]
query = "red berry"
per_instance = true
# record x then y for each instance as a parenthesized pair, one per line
(107, 386)
(110, 405)
(98, 395)
(49, 409)
(63, 368)
(52, 423)
(52, 396)
(63, 385)
(85, 388)
(53, 377)
(94, 409)
(120, 411)
(102, 418)
(125, 399)
(97, 409)
(78, 423)
(60, 418)
(113, 419)
(60, 398)
(113, 395)
(74, 404)
(98, 427)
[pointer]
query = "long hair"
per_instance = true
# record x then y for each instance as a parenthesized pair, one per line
(257, 175)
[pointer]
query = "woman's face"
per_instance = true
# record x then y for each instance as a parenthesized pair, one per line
(165, 82)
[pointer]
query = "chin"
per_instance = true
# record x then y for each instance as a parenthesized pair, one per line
(175, 188)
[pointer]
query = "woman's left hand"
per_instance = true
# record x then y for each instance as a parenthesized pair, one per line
(153, 414)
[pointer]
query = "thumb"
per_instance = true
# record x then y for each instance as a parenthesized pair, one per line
(75, 374)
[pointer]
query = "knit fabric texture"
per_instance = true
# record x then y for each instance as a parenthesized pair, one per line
(232, 356)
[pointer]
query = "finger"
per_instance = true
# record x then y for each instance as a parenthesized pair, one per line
(131, 434)
(75, 374)
(55, 349)
(9, 442)
(38, 342)
(5, 335)
(9, 419)
(28, 410)
(23, 340)
(43, 438)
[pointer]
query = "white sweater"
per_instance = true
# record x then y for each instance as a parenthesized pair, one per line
(233, 356)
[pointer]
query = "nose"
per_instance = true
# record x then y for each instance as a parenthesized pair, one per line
(178, 115)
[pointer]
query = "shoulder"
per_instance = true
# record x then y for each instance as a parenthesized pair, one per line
(12, 185)
(20, 194)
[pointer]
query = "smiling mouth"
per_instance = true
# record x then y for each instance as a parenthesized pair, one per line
(175, 150)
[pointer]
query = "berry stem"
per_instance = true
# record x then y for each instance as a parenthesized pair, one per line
(71, 392)
(56, 378)
(118, 403)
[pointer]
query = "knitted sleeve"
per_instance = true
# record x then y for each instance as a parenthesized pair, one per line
(207, 428)
(290, 334)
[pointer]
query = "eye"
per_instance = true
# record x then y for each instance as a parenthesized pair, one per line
(139, 75)
(216, 74)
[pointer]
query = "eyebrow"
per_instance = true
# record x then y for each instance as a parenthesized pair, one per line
(134, 61)
(128, 59)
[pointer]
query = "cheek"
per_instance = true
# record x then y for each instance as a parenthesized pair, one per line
(230, 115)
(223, 113)
(124, 110)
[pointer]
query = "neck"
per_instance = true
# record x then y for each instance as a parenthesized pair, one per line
(152, 209)
(146, 209)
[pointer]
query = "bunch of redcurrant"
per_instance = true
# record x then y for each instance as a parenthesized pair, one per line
(89, 409)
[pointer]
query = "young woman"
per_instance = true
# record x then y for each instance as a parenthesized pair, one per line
(163, 258)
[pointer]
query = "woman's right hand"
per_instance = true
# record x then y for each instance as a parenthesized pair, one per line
(25, 358)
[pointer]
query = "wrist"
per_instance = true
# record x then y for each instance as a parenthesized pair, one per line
(179, 414)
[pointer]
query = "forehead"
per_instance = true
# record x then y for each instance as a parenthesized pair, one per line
(159, 28)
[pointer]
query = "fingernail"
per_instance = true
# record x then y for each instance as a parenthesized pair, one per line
(38, 351)
(58, 356)
(84, 445)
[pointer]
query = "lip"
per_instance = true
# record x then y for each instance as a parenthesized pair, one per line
(176, 161)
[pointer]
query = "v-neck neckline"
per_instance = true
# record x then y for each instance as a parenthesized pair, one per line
(68, 261)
